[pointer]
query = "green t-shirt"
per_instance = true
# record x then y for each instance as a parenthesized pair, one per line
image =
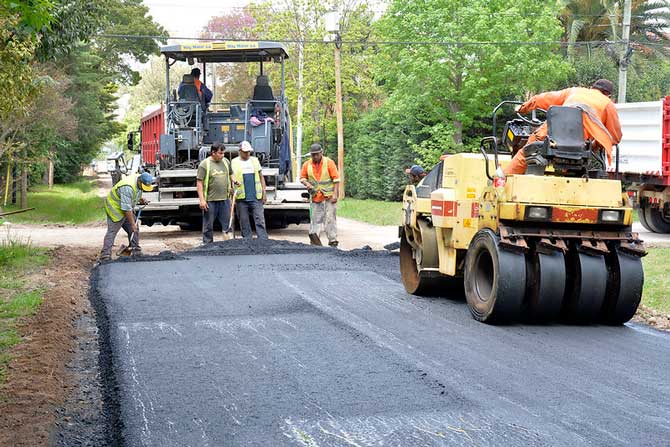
(219, 179)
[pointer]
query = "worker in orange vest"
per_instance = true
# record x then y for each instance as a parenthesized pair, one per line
(203, 91)
(320, 177)
(601, 120)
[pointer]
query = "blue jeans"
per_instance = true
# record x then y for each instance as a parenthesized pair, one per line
(217, 210)
(256, 209)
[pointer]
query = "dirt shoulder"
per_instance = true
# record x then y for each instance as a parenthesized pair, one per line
(37, 382)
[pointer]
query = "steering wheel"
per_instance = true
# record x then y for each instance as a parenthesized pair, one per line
(533, 121)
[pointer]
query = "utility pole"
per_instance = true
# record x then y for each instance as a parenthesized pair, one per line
(332, 22)
(338, 113)
(625, 54)
(298, 131)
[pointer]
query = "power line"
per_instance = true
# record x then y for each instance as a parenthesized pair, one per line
(372, 43)
(455, 14)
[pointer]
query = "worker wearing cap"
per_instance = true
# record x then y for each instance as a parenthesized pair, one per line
(119, 206)
(214, 180)
(320, 177)
(415, 173)
(250, 195)
(601, 120)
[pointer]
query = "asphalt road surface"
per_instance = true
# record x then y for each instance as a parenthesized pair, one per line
(319, 348)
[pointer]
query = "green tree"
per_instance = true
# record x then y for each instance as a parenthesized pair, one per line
(127, 17)
(460, 82)
(302, 20)
(588, 20)
(149, 91)
(93, 93)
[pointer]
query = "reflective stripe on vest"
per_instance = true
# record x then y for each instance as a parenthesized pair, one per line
(208, 164)
(326, 184)
(113, 200)
(239, 176)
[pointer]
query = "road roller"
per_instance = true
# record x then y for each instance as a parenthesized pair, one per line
(554, 244)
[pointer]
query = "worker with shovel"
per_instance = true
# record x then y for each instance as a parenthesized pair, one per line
(119, 206)
(214, 185)
(320, 177)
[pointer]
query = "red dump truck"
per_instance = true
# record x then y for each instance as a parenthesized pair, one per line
(644, 160)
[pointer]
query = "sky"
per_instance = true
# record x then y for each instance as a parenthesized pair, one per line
(186, 18)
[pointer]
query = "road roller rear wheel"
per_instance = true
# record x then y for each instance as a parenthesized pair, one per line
(545, 286)
(585, 291)
(495, 280)
(418, 283)
(624, 287)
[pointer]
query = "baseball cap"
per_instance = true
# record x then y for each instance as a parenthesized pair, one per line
(604, 85)
(146, 181)
(415, 170)
(245, 146)
(315, 148)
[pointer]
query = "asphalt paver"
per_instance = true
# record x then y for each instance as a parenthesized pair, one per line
(294, 345)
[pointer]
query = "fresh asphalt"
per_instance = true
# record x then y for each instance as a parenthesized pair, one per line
(320, 348)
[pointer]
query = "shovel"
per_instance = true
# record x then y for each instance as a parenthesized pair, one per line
(232, 218)
(127, 250)
(314, 239)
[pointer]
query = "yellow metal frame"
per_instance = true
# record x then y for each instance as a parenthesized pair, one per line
(467, 202)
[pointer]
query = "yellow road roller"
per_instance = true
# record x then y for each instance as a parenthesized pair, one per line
(553, 244)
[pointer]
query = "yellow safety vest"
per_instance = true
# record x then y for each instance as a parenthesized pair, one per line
(113, 201)
(208, 163)
(239, 176)
(326, 184)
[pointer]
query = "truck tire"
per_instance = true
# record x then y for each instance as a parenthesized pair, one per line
(655, 220)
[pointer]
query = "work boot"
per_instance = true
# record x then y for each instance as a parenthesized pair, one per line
(333, 244)
(136, 251)
(314, 239)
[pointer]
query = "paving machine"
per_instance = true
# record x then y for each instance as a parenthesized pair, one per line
(555, 243)
(178, 135)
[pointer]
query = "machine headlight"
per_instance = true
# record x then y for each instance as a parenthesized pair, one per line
(610, 215)
(538, 213)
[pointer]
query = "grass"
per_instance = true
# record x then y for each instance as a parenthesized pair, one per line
(17, 298)
(374, 212)
(73, 203)
(656, 292)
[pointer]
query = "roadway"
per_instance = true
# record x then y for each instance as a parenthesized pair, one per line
(314, 347)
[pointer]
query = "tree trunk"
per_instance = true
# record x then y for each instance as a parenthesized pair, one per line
(50, 167)
(24, 179)
(458, 125)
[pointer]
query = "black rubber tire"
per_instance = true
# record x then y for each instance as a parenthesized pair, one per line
(624, 287)
(495, 280)
(643, 219)
(424, 283)
(585, 288)
(655, 220)
(545, 283)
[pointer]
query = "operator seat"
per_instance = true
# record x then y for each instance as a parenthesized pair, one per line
(187, 90)
(262, 89)
(564, 147)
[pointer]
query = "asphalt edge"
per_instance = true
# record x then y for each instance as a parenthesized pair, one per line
(111, 406)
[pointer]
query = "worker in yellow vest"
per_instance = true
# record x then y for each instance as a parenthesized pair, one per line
(250, 195)
(320, 177)
(214, 181)
(119, 206)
